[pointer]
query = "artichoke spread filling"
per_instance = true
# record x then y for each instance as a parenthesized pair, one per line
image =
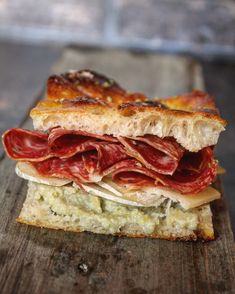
(77, 208)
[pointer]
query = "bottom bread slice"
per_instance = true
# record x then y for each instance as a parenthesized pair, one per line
(68, 208)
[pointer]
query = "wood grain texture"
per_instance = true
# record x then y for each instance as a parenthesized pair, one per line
(36, 260)
(154, 75)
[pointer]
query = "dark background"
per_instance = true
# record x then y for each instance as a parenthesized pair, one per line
(34, 33)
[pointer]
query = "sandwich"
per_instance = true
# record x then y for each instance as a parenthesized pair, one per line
(103, 160)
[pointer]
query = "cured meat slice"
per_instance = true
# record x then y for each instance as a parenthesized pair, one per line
(133, 162)
(133, 179)
(65, 143)
(79, 168)
(196, 171)
(166, 145)
(109, 155)
(187, 181)
(25, 145)
(160, 158)
(89, 166)
(58, 133)
(36, 146)
(131, 173)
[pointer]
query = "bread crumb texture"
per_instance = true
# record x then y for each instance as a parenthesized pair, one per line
(71, 209)
(192, 119)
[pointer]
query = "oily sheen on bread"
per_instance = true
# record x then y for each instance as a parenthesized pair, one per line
(192, 119)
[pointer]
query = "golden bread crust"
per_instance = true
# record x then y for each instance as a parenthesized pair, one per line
(196, 103)
(197, 236)
(182, 106)
(90, 84)
(90, 102)
(73, 90)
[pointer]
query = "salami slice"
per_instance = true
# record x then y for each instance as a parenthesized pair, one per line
(36, 146)
(89, 166)
(202, 172)
(162, 158)
(133, 162)
(26, 145)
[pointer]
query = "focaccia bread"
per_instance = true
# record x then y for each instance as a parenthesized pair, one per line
(192, 119)
(111, 162)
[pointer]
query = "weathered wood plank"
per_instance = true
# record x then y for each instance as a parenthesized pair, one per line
(36, 260)
(151, 74)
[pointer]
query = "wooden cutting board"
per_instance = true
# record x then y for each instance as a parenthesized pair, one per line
(34, 260)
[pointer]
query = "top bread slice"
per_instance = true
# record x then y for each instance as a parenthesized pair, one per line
(85, 100)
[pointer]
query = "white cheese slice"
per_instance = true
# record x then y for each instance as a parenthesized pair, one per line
(27, 171)
(101, 192)
(156, 195)
(106, 185)
(153, 196)
(107, 189)
(189, 201)
(194, 200)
